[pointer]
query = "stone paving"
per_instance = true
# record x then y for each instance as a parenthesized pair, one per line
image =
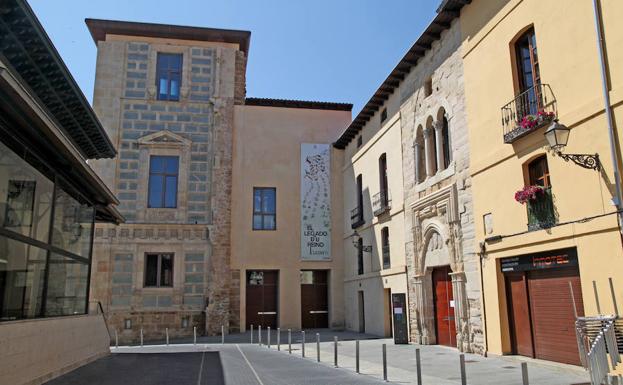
(242, 363)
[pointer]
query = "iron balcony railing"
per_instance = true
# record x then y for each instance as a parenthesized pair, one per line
(541, 213)
(356, 217)
(386, 258)
(528, 111)
(381, 203)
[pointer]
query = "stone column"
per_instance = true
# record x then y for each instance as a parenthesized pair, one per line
(439, 145)
(429, 151)
(418, 156)
(460, 311)
(416, 315)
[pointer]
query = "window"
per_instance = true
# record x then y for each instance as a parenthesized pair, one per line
(420, 156)
(445, 134)
(428, 87)
(384, 115)
(360, 197)
(264, 208)
(158, 270)
(168, 76)
(538, 172)
(163, 174)
(528, 73)
(359, 141)
(383, 181)
(541, 210)
(360, 256)
(385, 247)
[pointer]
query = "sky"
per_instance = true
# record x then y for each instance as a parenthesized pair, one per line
(323, 50)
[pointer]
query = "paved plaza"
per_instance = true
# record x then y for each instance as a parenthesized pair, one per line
(238, 362)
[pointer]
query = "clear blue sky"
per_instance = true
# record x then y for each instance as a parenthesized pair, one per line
(328, 50)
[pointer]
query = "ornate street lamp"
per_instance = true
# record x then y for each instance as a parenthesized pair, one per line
(356, 238)
(557, 136)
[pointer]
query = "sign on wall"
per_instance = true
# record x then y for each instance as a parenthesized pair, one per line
(315, 202)
(539, 261)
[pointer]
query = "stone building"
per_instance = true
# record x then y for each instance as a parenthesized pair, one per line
(443, 271)
(166, 96)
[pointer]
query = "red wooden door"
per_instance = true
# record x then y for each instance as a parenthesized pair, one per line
(519, 314)
(444, 306)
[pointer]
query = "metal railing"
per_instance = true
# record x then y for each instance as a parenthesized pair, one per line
(541, 213)
(356, 217)
(528, 111)
(599, 338)
(99, 309)
(381, 202)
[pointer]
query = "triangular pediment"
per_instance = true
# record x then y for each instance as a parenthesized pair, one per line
(164, 137)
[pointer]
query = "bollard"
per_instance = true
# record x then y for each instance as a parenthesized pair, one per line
(167, 333)
(290, 341)
(303, 343)
(318, 347)
(116, 339)
(357, 356)
(463, 376)
(222, 334)
(259, 335)
(141, 337)
(418, 367)
(384, 363)
(268, 338)
(251, 334)
(524, 373)
(279, 339)
(335, 351)
(194, 335)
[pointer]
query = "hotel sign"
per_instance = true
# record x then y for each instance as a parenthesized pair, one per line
(540, 261)
(315, 202)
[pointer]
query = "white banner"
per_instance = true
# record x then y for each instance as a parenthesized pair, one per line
(315, 202)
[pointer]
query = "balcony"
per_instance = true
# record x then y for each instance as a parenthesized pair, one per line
(356, 217)
(381, 203)
(529, 111)
(541, 213)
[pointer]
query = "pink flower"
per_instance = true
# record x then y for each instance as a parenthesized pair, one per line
(529, 193)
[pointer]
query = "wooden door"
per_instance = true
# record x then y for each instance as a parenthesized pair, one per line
(553, 320)
(262, 298)
(519, 314)
(444, 306)
(314, 299)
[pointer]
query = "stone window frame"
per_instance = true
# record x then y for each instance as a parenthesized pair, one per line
(163, 143)
(152, 67)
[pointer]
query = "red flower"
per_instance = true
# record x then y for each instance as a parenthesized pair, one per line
(528, 193)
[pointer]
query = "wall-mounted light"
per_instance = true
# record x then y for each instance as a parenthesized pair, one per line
(356, 238)
(557, 136)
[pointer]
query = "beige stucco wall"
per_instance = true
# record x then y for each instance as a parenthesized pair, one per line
(376, 282)
(267, 154)
(35, 351)
(567, 49)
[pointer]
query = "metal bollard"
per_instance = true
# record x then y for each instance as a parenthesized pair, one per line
(141, 337)
(268, 338)
(259, 335)
(251, 333)
(418, 367)
(303, 344)
(116, 339)
(384, 362)
(167, 333)
(318, 347)
(290, 341)
(463, 376)
(357, 356)
(194, 335)
(335, 351)
(222, 334)
(524, 373)
(279, 339)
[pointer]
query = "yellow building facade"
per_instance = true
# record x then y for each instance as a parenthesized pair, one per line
(526, 63)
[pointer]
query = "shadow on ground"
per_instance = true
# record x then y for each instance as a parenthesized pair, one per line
(149, 369)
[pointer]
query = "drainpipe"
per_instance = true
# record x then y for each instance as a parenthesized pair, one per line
(608, 110)
(481, 257)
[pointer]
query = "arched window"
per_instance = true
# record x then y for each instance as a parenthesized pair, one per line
(445, 134)
(383, 184)
(528, 74)
(431, 148)
(420, 155)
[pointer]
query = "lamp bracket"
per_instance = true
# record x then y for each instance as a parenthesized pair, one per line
(589, 161)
